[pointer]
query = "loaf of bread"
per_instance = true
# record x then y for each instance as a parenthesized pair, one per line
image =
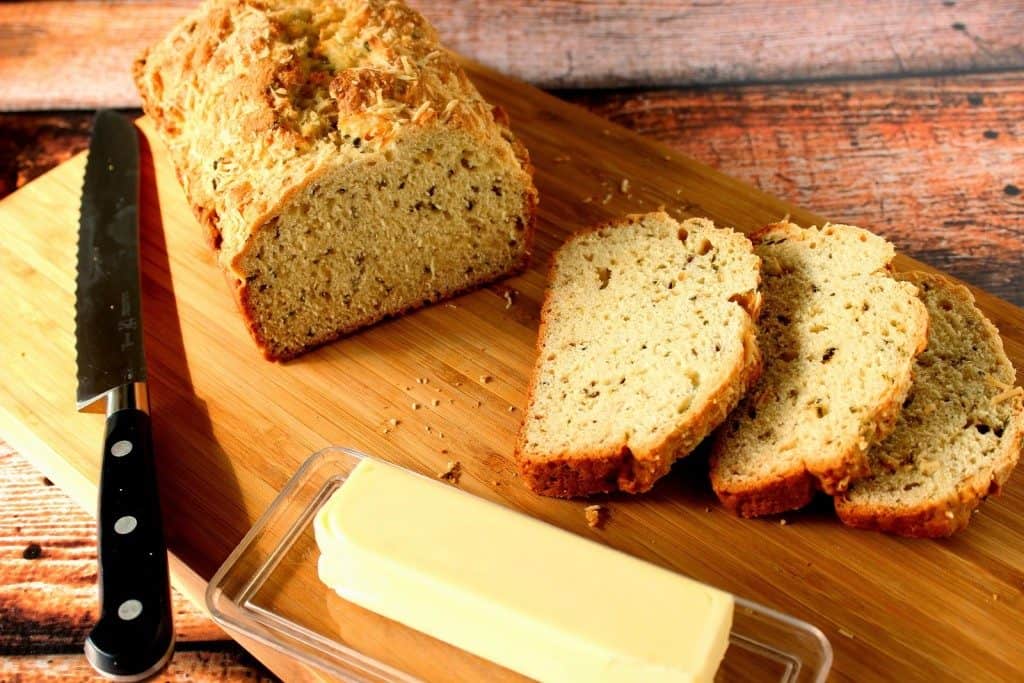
(839, 337)
(959, 434)
(647, 340)
(340, 160)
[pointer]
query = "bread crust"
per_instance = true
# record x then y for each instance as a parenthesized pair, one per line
(946, 516)
(576, 474)
(796, 487)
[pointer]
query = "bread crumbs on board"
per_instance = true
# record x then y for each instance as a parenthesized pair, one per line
(452, 473)
(485, 379)
(597, 516)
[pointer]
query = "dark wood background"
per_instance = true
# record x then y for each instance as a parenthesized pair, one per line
(903, 117)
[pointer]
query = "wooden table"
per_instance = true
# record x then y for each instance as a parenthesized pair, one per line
(906, 120)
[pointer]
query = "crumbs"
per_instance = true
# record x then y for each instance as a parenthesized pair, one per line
(509, 294)
(452, 473)
(597, 516)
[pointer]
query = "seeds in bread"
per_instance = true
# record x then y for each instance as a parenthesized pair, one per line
(839, 337)
(647, 340)
(959, 434)
(342, 163)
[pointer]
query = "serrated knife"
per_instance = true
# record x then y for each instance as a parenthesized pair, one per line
(134, 636)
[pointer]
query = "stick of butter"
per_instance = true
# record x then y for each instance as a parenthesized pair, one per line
(524, 594)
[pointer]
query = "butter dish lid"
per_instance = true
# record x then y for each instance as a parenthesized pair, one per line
(268, 589)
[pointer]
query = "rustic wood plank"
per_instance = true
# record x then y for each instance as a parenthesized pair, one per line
(77, 53)
(48, 563)
(233, 664)
(31, 144)
(241, 426)
(48, 597)
(934, 164)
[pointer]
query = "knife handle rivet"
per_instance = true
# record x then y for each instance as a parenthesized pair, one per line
(125, 525)
(121, 449)
(129, 609)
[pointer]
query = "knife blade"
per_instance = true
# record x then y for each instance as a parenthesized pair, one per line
(134, 636)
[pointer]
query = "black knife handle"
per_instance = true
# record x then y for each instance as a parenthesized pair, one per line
(134, 636)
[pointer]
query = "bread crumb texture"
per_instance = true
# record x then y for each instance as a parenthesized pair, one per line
(839, 337)
(959, 434)
(340, 160)
(647, 340)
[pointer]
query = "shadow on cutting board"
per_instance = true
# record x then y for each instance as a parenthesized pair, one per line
(188, 455)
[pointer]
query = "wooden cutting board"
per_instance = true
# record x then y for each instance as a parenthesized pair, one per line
(231, 428)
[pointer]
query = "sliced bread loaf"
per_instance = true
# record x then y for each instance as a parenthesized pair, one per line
(341, 162)
(647, 340)
(959, 434)
(839, 337)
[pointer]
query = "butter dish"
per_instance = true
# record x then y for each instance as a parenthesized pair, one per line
(268, 589)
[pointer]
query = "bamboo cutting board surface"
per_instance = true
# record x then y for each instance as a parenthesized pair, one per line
(231, 428)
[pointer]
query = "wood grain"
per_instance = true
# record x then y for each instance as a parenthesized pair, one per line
(187, 665)
(240, 426)
(77, 53)
(48, 598)
(934, 164)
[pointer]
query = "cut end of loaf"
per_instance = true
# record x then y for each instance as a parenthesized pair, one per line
(435, 217)
(959, 434)
(839, 337)
(647, 340)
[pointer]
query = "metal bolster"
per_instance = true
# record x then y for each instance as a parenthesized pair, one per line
(134, 396)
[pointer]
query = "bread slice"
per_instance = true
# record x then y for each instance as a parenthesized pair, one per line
(839, 337)
(647, 340)
(960, 432)
(341, 162)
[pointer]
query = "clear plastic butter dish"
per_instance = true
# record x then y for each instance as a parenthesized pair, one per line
(268, 589)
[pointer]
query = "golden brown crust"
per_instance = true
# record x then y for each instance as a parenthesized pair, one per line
(946, 516)
(571, 475)
(252, 97)
(796, 488)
